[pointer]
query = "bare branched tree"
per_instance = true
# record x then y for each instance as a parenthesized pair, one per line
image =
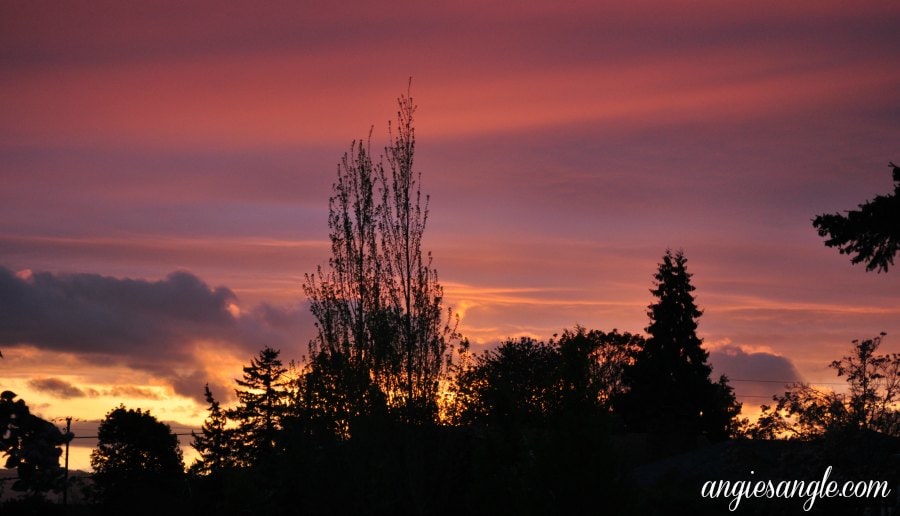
(383, 339)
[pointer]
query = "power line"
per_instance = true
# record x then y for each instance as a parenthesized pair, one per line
(786, 382)
(97, 436)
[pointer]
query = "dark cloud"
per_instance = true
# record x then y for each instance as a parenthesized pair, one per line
(57, 387)
(755, 376)
(152, 326)
(277, 327)
(93, 314)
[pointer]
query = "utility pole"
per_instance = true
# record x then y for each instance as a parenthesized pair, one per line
(66, 484)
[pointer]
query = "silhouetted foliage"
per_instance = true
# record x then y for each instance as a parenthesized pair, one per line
(137, 463)
(517, 382)
(215, 443)
(669, 388)
(594, 364)
(540, 414)
(874, 382)
(806, 412)
(263, 403)
(383, 341)
(336, 393)
(251, 452)
(350, 351)
(531, 427)
(529, 381)
(32, 446)
(872, 232)
(413, 291)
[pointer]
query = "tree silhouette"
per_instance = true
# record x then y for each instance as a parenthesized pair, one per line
(262, 405)
(805, 412)
(334, 393)
(594, 364)
(527, 381)
(32, 446)
(350, 355)
(215, 443)
(137, 463)
(514, 384)
(872, 232)
(669, 388)
(412, 286)
(383, 337)
(540, 416)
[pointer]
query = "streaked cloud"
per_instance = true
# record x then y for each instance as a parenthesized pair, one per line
(56, 387)
(62, 389)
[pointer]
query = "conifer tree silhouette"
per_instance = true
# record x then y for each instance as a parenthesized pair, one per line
(669, 387)
(872, 231)
(262, 404)
(215, 442)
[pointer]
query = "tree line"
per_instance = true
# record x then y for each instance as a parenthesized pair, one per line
(392, 411)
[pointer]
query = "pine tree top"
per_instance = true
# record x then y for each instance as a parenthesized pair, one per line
(264, 371)
(673, 317)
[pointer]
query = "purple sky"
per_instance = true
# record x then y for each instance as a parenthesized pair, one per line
(564, 148)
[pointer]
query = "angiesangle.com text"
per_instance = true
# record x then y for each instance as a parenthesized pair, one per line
(809, 490)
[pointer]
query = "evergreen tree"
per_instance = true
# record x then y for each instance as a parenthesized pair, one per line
(669, 388)
(214, 444)
(262, 404)
(872, 232)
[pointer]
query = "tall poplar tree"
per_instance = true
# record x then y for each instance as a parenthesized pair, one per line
(383, 340)
(669, 387)
(414, 294)
(346, 299)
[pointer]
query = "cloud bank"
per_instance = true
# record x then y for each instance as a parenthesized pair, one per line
(157, 327)
(756, 375)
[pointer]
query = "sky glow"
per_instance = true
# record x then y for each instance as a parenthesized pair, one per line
(565, 148)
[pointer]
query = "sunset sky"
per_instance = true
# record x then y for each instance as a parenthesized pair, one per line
(165, 171)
